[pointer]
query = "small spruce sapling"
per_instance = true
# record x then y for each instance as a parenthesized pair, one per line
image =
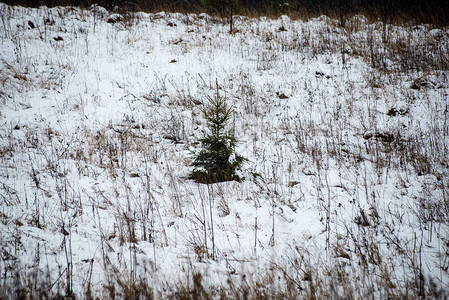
(217, 160)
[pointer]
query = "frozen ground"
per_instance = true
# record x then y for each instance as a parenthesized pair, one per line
(345, 128)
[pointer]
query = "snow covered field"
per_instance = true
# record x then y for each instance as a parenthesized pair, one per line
(345, 129)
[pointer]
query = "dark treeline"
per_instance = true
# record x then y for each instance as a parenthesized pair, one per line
(392, 11)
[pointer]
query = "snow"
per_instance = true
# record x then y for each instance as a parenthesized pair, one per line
(97, 130)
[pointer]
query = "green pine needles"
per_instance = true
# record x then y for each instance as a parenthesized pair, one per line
(217, 160)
